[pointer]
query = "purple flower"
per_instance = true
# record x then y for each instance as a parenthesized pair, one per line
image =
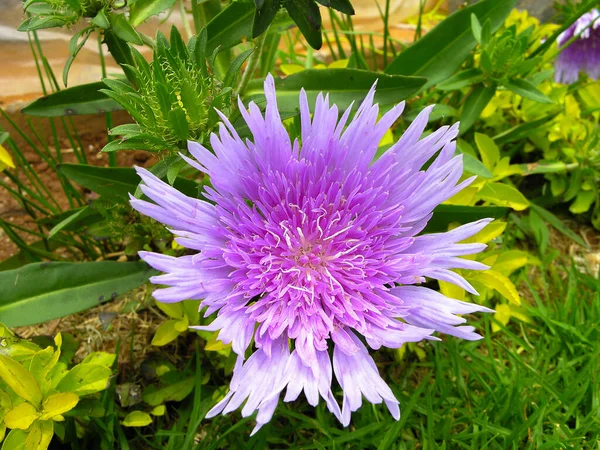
(310, 248)
(584, 53)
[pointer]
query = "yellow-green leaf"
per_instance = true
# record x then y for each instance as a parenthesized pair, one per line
(500, 283)
(137, 419)
(505, 312)
(57, 404)
(85, 379)
(583, 202)
(15, 440)
(182, 324)
(503, 195)
(5, 403)
(2, 431)
(100, 358)
(489, 151)
(504, 169)
(451, 290)
(5, 159)
(21, 416)
(173, 310)
(511, 260)
(19, 380)
(214, 345)
(159, 410)
(490, 232)
(40, 435)
(339, 64)
(290, 69)
(41, 364)
(166, 332)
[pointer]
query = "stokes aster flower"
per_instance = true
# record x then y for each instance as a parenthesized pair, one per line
(584, 53)
(310, 249)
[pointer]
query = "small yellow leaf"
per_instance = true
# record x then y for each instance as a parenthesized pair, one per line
(489, 151)
(182, 324)
(21, 416)
(490, 232)
(498, 282)
(504, 195)
(20, 380)
(165, 333)
(464, 197)
(339, 64)
(57, 404)
(502, 315)
(40, 435)
(5, 159)
(59, 418)
(100, 358)
(173, 310)
(320, 66)
(137, 419)
(214, 345)
(451, 290)
(290, 69)
(159, 410)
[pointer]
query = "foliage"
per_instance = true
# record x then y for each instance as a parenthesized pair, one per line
(43, 394)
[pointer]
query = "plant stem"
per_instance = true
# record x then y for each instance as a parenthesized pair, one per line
(259, 43)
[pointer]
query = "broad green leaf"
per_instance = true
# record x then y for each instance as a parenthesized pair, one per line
(43, 291)
(137, 419)
(474, 166)
(177, 391)
(488, 150)
(41, 364)
(144, 9)
(264, 16)
(525, 89)
(40, 435)
(522, 131)
(123, 29)
(101, 20)
(461, 80)
(18, 378)
(474, 105)
(441, 51)
(75, 217)
(21, 416)
(230, 26)
(500, 283)
(476, 28)
(57, 404)
(344, 86)
(83, 99)
(85, 379)
(15, 440)
(117, 182)
(503, 195)
(166, 332)
(307, 16)
(444, 215)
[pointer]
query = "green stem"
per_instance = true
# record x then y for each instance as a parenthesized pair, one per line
(112, 156)
(259, 43)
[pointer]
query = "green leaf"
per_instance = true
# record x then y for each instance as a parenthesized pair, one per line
(542, 167)
(504, 195)
(60, 403)
(17, 377)
(306, 15)
(137, 419)
(166, 332)
(444, 215)
(43, 291)
(344, 86)
(159, 410)
(101, 20)
(83, 99)
(76, 216)
(235, 67)
(100, 358)
(75, 46)
(476, 28)
(264, 16)
(144, 9)
(540, 231)
(176, 391)
(461, 80)
(523, 130)
(84, 379)
(109, 182)
(525, 89)
(441, 52)
(124, 30)
(15, 440)
(474, 166)
(230, 26)
(342, 6)
(583, 202)
(476, 102)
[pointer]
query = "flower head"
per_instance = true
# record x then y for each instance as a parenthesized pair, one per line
(584, 53)
(311, 249)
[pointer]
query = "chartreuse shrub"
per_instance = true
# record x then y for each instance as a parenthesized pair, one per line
(43, 394)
